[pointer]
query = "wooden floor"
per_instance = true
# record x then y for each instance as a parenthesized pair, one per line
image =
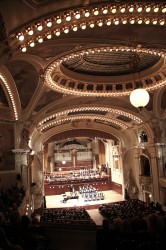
(55, 201)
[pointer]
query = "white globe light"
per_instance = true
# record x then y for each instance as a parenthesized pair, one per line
(139, 98)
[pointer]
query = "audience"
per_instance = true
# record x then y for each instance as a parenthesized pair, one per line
(131, 224)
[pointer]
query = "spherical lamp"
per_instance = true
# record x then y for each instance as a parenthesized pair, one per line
(139, 98)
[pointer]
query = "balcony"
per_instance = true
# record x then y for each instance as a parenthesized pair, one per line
(144, 179)
(162, 182)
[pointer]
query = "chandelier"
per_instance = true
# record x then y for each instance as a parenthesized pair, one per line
(139, 97)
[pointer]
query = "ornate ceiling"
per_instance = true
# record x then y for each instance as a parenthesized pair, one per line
(74, 72)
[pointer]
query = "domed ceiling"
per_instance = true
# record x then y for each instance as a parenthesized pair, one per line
(73, 64)
(109, 63)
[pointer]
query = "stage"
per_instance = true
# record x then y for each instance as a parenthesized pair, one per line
(55, 201)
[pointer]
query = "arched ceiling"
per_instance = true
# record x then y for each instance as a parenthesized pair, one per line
(84, 68)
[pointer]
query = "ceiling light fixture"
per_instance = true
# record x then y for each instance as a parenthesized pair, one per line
(108, 21)
(48, 22)
(68, 17)
(20, 36)
(139, 97)
(23, 48)
(116, 21)
(40, 39)
(122, 9)
(39, 26)
(31, 43)
(113, 9)
(132, 20)
(91, 24)
(100, 23)
(140, 20)
(30, 31)
(162, 21)
(48, 35)
(83, 26)
(163, 9)
(131, 8)
(57, 32)
(156, 8)
(77, 14)
(124, 20)
(75, 28)
(66, 30)
(105, 9)
(139, 8)
(58, 19)
(148, 8)
(87, 13)
(96, 11)
(154, 21)
(147, 21)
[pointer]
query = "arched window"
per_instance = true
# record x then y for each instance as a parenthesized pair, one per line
(143, 137)
(145, 165)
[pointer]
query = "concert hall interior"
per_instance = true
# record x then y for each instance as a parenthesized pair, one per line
(82, 120)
